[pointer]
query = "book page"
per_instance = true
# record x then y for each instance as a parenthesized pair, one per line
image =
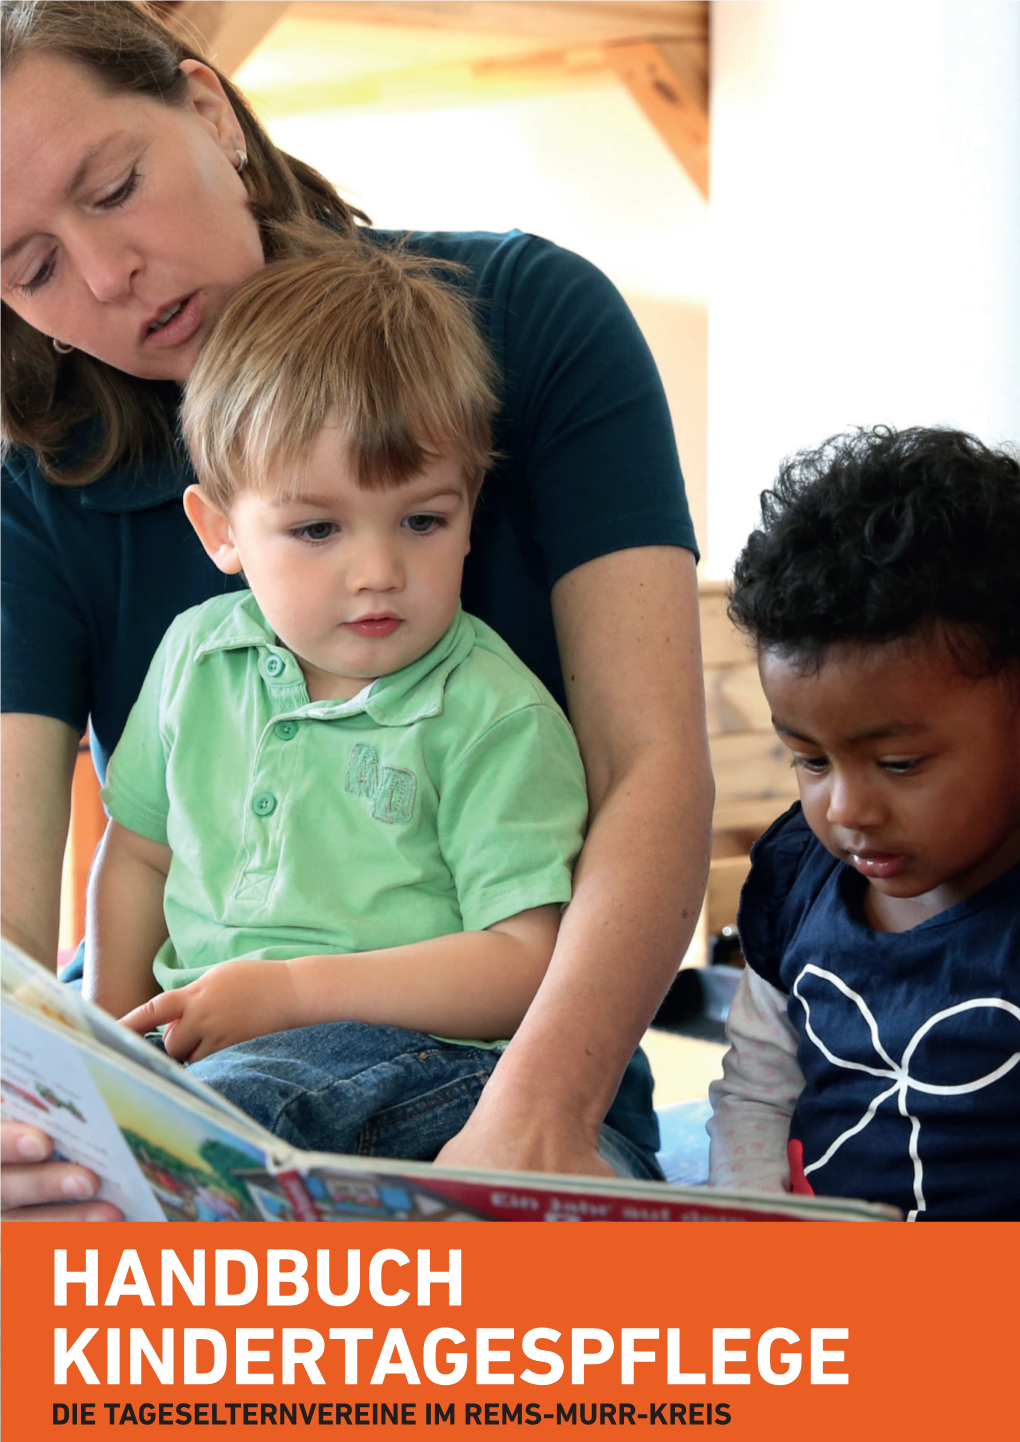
(46, 1081)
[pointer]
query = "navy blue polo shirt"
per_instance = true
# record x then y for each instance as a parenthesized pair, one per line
(93, 576)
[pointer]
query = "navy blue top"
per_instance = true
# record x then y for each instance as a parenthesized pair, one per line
(93, 576)
(909, 1041)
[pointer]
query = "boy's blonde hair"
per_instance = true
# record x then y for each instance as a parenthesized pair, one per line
(352, 334)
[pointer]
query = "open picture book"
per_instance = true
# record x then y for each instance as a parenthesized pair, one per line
(169, 1148)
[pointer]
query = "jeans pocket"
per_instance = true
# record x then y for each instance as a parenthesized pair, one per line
(434, 1110)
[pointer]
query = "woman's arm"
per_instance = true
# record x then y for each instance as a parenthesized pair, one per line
(38, 765)
(469, 984)
(627, 627)
(124, 922)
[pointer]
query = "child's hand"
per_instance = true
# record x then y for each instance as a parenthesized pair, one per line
(232, 1002)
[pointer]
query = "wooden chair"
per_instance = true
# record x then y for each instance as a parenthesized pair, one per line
(753, 777)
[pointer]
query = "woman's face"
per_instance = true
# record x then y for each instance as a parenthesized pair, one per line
(125, 224)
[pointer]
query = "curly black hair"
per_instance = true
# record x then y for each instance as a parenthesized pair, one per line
(881, 534)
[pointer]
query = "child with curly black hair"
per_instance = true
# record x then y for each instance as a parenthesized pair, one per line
(875, 1036)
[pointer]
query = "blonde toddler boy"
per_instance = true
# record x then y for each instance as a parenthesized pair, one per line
(344, 816)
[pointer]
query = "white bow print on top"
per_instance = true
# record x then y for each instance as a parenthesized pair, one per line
(898, 1072)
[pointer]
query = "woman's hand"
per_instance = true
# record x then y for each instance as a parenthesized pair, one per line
(35, 1189)
(524, 1150)
(231, 1003)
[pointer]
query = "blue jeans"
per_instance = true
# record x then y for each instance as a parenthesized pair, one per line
(628, 1141)
(375, 1091)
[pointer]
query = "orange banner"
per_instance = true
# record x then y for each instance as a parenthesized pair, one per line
(768, 1330)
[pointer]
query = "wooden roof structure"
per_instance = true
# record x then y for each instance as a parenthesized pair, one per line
(328, 54)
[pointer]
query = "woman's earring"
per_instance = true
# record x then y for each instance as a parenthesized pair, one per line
(61, 347)
(242, 160)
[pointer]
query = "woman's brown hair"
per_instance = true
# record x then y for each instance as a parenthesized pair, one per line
(129, 49)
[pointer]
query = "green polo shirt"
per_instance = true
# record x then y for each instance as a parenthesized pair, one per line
(443, 798)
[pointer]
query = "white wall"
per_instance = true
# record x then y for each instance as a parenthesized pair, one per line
(865, 230)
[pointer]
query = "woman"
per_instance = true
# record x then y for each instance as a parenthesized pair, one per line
(138, 191)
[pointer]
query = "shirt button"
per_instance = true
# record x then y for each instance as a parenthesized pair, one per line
(264, 804)
(274, 666)
(286, 730)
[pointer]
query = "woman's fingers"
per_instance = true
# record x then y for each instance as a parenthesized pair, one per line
(69, 1212)
(33, 1189)
(21, 1143)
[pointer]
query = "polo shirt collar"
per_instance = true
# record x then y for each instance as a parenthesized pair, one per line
(400, 699)
(416, 691)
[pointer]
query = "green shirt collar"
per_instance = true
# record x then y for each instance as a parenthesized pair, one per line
(408, 695)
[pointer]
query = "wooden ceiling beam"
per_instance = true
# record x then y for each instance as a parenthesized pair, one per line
(228, 30)
(669, 80)
(477, 82)
(659, 51)
(555, 22)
